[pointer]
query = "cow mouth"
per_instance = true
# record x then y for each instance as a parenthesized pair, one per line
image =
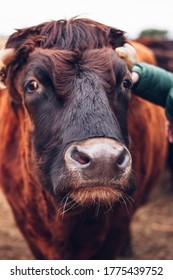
(105, 192)
(89, 195)
(98, 197)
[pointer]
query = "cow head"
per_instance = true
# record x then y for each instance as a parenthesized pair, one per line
(73, 89)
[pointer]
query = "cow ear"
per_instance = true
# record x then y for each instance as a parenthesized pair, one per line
(116, 37)
(128, 53)
(6, 56)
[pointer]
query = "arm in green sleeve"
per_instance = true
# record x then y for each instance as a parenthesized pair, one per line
(154, 84)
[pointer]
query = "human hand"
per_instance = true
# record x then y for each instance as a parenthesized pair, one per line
(135, 77)
(169, 130)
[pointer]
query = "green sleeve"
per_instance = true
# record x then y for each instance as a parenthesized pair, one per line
(154, 84)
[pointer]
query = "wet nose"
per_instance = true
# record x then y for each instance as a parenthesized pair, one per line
(93, 158)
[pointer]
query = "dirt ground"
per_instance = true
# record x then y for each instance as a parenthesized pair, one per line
(152, 228)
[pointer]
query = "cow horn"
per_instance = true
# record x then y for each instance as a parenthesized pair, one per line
(128, 53)
(6, 55)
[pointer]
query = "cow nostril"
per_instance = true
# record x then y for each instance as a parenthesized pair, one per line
(80, 156)
(123, 159)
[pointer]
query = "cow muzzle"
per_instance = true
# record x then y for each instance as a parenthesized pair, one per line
(100, 167)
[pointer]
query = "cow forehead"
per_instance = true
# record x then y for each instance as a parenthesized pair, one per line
(62, 67)
(95, 59)
(74, 56)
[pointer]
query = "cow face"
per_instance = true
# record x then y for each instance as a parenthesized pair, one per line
(77, 105)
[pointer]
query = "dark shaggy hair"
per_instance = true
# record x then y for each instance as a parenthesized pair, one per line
(75, 34)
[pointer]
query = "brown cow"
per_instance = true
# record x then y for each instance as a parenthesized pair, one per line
(162, 49)
(66, 168)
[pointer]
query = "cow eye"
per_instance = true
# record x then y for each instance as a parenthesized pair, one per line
(32, 86)
(127, 84)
